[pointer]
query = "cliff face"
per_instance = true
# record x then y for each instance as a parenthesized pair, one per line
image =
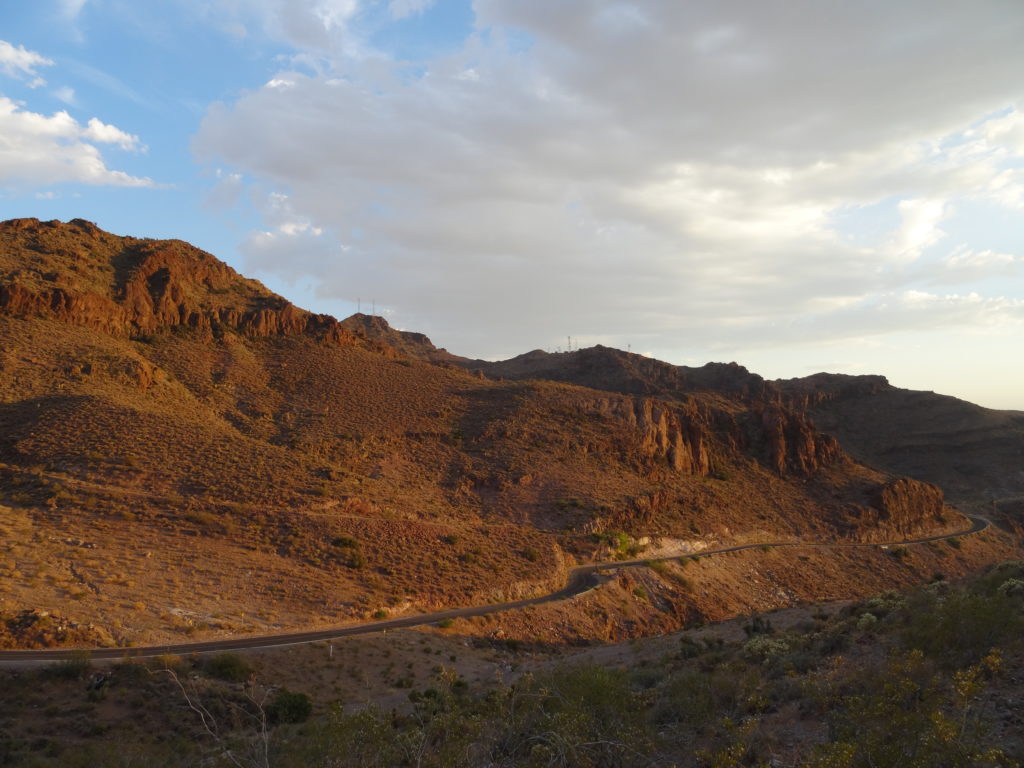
(678, 436)
(775, 428)
(132, 287)
(898, 509)
(793, 444)
(681, 435)
(812, 391)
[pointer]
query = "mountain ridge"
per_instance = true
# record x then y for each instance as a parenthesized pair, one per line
(234, 457)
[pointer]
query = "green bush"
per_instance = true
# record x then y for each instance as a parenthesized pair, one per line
(289, 707)
(902, 714)
(228, 666)
(356, 560)
(961, 627)
(75, 668)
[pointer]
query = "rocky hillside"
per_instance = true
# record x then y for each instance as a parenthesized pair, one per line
(975, 454)
(183, 451)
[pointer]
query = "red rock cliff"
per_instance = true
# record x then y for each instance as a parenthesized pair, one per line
(135, 287)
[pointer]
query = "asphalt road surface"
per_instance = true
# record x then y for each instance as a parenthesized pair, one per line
(581, 579)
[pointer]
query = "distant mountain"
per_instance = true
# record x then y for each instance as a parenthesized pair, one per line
(975, 454)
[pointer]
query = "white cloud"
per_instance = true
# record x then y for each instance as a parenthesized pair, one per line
(98, 131)
(71, 8)
(226, 192)
(20, 63)
(36, 150)
(653, 171)
(401, 9)
(918, 229)
(319, 25)
(66, 94)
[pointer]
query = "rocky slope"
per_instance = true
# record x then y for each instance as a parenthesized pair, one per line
(129, 287)
(183, 451)
(975, 454)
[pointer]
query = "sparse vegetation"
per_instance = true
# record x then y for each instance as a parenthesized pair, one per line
(818, 691)
(228, 666)
(257, 468)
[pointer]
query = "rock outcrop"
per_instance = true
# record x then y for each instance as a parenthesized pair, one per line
(905, 505)
(680, 435)
(141, 287)
(901, 508)
(793, 444)
(812, 391)
(675, 435)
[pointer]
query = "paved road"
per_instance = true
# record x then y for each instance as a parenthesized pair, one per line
(581, 579)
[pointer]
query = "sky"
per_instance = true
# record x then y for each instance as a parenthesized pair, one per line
(796, 186)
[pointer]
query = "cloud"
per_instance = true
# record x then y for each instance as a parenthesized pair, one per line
(37, 150)
(66, 94)
(318, 25)
(21, 63)
(401, 9)
(71, 8)
(660, 172)
(98, 131)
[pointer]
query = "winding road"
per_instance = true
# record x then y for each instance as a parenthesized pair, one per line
(581, 579)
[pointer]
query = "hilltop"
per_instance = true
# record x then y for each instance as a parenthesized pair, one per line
(184, 452)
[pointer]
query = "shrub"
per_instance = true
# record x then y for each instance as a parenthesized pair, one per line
(899, 553)
(228, 666)
(867, 622)
(992, 579)
(75, 668)
(884, 604)
(170, 661)
(763, 648)
(758, 625)
(901, 714)
(356, 560)
(1012, 588)
(660, 567)
(960, 628)
(689, 648)
(288, 707)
